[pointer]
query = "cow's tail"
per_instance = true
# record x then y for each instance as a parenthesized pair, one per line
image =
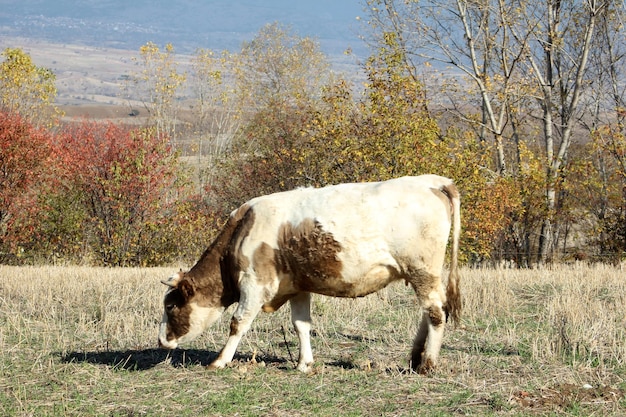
(453, 295)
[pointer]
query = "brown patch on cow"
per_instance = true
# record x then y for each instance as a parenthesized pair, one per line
(216, 272)
(264, 262)
(234, 228)
(178, 311)
(435, 315)
(423, 283)
(451, 191)
(240, 233)
(270, 308)
(234, 326)
(427, 367)
(277, 302)
(310, 254)
(286, 291)
(422, 365)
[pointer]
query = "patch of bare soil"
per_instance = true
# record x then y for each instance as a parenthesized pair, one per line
(567, 396)
(99, 111)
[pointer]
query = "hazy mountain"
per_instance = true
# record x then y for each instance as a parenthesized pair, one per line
(188, 25)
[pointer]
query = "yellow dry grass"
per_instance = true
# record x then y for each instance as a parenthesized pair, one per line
(539, 341)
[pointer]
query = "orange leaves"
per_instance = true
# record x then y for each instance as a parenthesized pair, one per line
(124, 178)
(488, 213)
(25, 168)
(115, 195)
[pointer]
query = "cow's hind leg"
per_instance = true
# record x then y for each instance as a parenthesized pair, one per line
(428, 341)
(419, 343)
(429, 338)
(301, 318)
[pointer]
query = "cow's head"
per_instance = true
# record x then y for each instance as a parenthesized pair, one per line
(187, 312)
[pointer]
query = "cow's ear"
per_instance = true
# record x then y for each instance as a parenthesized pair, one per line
(173, 280)
(186, 289)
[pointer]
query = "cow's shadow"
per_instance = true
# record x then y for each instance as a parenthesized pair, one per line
(142, 360)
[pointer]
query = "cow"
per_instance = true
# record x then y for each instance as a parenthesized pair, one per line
(346, 240)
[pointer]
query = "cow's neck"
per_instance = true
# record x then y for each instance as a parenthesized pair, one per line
(215, 272)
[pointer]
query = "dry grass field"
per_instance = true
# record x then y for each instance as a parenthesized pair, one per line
(80, 341)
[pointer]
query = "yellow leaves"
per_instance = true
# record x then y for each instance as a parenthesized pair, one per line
(26, 88)
(158, 83)
(280, 66)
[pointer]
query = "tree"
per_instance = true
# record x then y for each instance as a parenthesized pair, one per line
(471, 37)
(27, 89)
(157, 85)
(217, 114)
(278, 78)
(559, 64)
(605, 181)
(512, 53)
(278, 66)
(387, 133)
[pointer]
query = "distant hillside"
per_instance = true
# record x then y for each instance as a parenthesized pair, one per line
(215, 24)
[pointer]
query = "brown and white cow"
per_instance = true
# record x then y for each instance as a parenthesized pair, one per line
(346, 240)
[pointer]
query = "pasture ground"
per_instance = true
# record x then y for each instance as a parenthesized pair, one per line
(78, 341)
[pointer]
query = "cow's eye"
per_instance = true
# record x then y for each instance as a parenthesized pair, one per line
(170, 307)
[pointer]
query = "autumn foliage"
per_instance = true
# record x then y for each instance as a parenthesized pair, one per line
(95, 192)
(122, 179)
(25, 168)
(26, 88)
(273, 118)
(384, 133)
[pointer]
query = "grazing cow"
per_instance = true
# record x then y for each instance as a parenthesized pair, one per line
(346, 240)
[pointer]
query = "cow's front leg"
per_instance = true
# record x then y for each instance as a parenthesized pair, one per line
(249, 306)
(301, 319)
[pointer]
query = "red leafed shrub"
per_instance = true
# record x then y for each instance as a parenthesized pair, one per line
(96, 192)
(124, 184)
(25, 169)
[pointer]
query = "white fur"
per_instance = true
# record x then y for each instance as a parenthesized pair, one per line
(200, 318)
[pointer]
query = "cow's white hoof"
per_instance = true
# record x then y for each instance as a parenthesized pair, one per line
(305, 367)
(215, 365)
